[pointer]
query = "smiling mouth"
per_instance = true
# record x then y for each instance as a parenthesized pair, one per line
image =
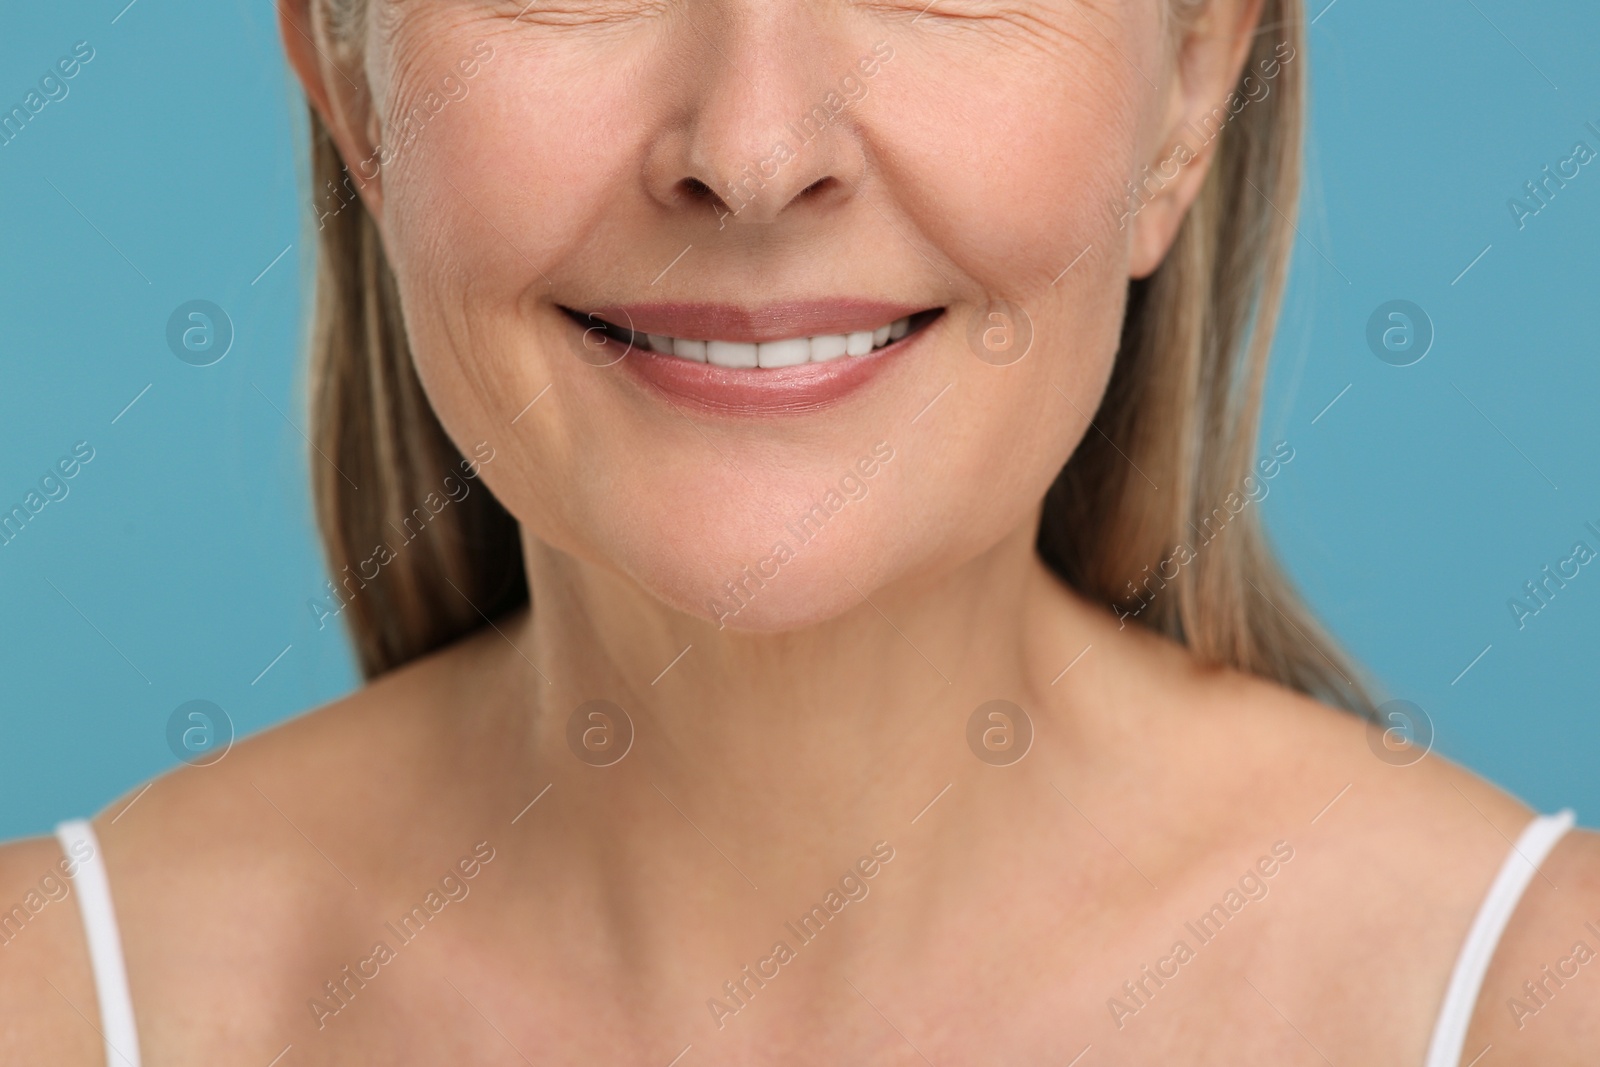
(746, 354)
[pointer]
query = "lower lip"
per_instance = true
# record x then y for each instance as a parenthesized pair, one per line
(756, 391)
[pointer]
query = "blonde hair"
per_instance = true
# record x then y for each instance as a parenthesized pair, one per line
(1173, 441)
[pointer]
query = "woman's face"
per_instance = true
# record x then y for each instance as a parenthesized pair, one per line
(741, 171)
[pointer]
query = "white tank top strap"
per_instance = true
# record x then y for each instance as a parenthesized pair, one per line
(105, 943)
(1534, 844)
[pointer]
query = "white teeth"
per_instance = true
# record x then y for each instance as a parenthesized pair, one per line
(826, 347)
(790, 352)
(731, 353)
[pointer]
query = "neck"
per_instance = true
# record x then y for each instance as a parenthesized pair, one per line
(810, 737)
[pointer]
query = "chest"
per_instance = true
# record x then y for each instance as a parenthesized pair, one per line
(1184, 984)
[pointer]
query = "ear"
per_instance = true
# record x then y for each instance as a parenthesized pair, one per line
(1201, 96)
(336, 90)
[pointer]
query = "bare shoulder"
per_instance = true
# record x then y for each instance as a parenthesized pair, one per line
(45, 982)
(1248, 748)
(265, 860)
(1396, 849)
(1540, 1002)
(1393, 848)
(328, 770)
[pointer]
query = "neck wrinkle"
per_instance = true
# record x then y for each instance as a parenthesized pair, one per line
(834, 726)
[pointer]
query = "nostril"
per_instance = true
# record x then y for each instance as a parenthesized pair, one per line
(697, 190)
(817, 188)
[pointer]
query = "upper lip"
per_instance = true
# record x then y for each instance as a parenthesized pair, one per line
(767, 322)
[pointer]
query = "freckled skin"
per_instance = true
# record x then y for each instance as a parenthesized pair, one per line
(558, 154)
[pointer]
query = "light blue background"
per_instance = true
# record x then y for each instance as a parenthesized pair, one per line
(182, 559)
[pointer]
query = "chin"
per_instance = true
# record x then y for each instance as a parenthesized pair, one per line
(781, 568)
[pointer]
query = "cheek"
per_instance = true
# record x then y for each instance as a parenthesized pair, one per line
(1012, 169)
(1018, 173)
(502, 190)
(505, 183)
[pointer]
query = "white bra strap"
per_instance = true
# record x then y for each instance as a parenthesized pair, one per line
(105, 943)
(1535, 843)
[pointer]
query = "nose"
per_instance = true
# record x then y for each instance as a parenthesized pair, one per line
(767, 130)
